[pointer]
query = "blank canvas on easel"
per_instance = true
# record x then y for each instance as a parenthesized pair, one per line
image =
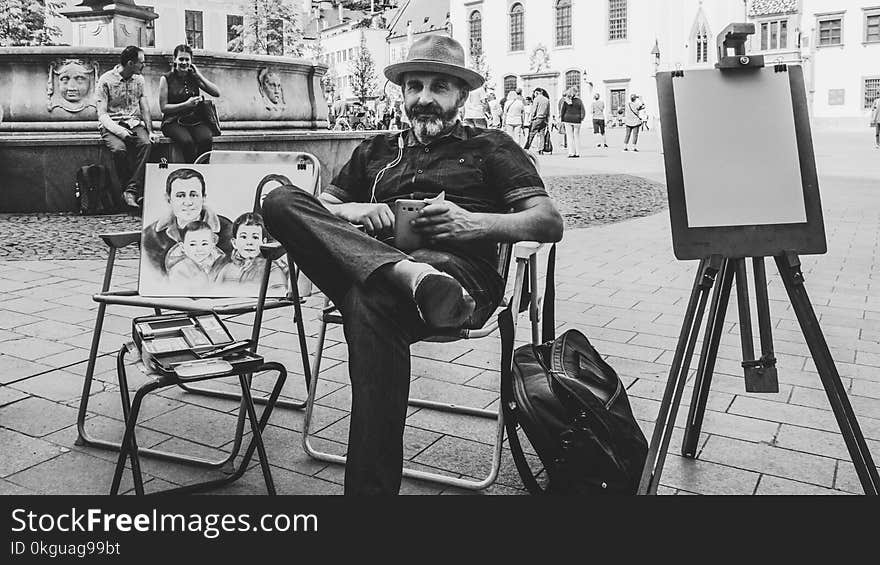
(740, 170)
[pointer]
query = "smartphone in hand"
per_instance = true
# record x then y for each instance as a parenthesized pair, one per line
(405, 211)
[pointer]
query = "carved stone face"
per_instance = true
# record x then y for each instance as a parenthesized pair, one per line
(73, 82)
(270, 84)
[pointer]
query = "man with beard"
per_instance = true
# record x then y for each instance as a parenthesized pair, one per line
(389, 299)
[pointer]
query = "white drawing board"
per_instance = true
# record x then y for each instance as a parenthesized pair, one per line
(197, 243)
(739, 152)
(740, 170)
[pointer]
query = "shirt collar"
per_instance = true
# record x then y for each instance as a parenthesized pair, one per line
(457, 131)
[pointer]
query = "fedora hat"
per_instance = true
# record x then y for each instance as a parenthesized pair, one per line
(435, 54)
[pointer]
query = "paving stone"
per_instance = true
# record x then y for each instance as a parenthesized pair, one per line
(9, 395)
(770, 460)
(473, 428)
(847, 479)
(770, 485)
(9, 489)
(21, 451)
(109, 403)
(101, 428)
(194, 423)
(704, 477)
(473, 460)
(36, 417)
(829, 444)
(60, 386)
(27, 305)
(449, 393)
(71, 473)
(284, 449)
(31, 348)
(415, 440)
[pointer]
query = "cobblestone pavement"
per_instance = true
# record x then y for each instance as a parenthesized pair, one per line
(584, 200)
(619, 283)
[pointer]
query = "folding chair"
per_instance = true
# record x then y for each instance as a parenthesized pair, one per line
(308, 177)
(524, 294)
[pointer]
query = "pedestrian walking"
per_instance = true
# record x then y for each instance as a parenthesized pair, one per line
(632, 121)
(571, 115)
(598, 113)
(495, 111)
(875, 122)
(513, 116)
(528, 111)
(643, 115)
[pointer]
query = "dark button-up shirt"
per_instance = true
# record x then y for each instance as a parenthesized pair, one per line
(481, 170)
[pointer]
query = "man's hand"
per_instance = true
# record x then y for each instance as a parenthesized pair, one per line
(376, 218)
(446, 221)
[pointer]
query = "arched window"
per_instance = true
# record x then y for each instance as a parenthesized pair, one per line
(517, 33)
(563, 23)
(509, 84)
(573, 79)
(476, 33)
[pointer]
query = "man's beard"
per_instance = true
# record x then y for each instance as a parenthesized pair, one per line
(430, 121)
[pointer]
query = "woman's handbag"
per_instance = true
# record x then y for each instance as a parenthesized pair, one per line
(208, 112)
(205, 112)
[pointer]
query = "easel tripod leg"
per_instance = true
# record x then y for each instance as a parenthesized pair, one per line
(678, 375)
(792, 278)
(708, 355)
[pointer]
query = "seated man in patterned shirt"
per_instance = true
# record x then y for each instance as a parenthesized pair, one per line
(389, 299)
(125, 123)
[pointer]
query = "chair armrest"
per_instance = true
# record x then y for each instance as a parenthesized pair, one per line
(121, 239)
(526, 249)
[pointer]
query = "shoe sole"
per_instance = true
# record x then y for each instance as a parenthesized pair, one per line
(442, 303)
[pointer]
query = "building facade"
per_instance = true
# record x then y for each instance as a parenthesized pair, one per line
(615, 47)
(203, 24)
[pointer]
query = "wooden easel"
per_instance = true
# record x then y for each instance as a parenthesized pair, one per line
(723, 247)
(760, 374)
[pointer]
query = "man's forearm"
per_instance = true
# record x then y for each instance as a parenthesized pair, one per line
(540, 223)
(111, 126)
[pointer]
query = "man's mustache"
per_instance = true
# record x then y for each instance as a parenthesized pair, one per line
(427, 110)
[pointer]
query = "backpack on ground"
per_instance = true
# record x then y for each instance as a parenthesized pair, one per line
(573, 409)
(93, 191)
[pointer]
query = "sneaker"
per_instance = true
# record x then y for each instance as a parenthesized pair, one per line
(606, 145)
(636, 150)
(626, 148)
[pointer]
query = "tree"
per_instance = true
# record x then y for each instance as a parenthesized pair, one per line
(479, 64)
(28, 22)
(363, 72)
(269, 27)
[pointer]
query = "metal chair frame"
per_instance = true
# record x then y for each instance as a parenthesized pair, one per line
(524, 293)
(130, 297)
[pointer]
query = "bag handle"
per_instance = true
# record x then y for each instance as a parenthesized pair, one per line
(505, 326)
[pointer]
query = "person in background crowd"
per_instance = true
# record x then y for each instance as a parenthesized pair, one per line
(179, 98)
(381, 112)
(540, 119)
(875, 121)
(571, 115)
(513, 116)
(632, 121)
(125, 122)
(528, 110)
(473, 111)
(643, 115)
(495, 111)
(598, 111)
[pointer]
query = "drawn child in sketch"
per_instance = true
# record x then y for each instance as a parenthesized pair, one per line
(245, 264)
(195, 261)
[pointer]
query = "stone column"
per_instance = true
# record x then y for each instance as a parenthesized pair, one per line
(103, 23)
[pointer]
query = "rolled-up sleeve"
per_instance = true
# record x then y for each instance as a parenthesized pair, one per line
(512, 173)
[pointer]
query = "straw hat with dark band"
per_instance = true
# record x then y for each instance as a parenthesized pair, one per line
(435, 54)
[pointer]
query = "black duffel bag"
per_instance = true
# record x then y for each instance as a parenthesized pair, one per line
(573, 409)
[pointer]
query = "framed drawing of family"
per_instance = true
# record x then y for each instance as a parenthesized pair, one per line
(202, 231)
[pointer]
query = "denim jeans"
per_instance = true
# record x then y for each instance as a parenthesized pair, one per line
(380, 323)
(129, 158)
(632, 131)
